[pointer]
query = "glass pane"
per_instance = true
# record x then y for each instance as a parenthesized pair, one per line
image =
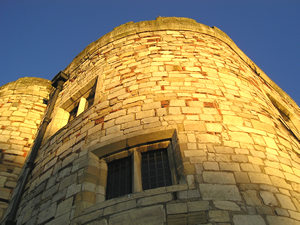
(155, 169)
(119, 178)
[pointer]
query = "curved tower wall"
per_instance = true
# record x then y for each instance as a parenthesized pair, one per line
(21, 111)
(233, 133)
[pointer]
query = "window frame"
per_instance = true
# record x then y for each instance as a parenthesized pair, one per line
(135, 146)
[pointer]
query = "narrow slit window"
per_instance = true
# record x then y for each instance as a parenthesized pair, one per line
(119, 178)
(155, 169)
(91, 97)
(73, 113)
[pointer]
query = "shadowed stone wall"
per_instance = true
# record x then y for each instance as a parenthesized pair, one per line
(234, 132)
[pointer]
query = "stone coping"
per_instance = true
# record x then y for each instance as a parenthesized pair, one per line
(26, 81)
(170, 23)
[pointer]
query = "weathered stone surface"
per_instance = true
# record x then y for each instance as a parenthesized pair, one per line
(119, 207)
(268, 198)
(259, 178)
(219, 192)
(64, 207)
(248, 220)
(149, 215)
(176, 208)
(251, 197)
(227, 205)
(47, 213)
(218, 216)
(189, 218)
(198, 206)
(218, 178)
(285, 202)
(277, 220)
(61, 220)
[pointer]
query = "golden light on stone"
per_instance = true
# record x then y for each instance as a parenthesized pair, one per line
(171, 104)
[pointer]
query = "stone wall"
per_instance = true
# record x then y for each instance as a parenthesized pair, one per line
(21, 110)
(237, 133)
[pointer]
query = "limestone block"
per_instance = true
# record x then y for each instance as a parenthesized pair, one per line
(61, 220)
(190, 218)
(161, 112)
(155, 199)
(64, 207)
(149, 120)
(241, 137)
(113, 130)
(285, 202)
(259, 178)
(227, 205)
(116, 93)
(174, 110)
(119, 207)
(115, 115)
(134, 99)
(124, 119)
(229, 166)
(241, 177)
(270, 142)
(152, 105)
(211, 166)
(47, 213)
(279, 182)
(192, 126)
(233, 120)
(153, 215)
(198, 206)
(208, 138)
(248, 220)
(145, 114)
(73, 189)
(250, 167)
(219, 192)
(177, 102)
(218, 216)
(175, 208)
(274, 172)
(191, 110)
(277, 220)
(251, 197)
(218, 177)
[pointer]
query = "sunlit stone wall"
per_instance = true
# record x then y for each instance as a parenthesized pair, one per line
(21, 110)
(237, 133)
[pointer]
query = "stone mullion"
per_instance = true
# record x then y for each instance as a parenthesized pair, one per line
(137, 172)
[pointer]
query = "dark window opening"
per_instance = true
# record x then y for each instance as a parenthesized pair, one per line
(73, 113)
(155, 169)
(1, 155)
(90, 99)
(119, 178)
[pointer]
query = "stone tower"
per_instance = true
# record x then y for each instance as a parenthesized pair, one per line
(22, 107)
(165, 122)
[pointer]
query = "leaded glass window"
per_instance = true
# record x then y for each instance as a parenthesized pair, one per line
(119, 178)
(155, 169)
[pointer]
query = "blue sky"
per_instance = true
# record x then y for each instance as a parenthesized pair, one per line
(41, 37)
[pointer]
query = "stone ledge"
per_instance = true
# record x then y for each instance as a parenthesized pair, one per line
(113, 146)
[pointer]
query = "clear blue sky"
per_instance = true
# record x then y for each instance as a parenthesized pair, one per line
(41, 37)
